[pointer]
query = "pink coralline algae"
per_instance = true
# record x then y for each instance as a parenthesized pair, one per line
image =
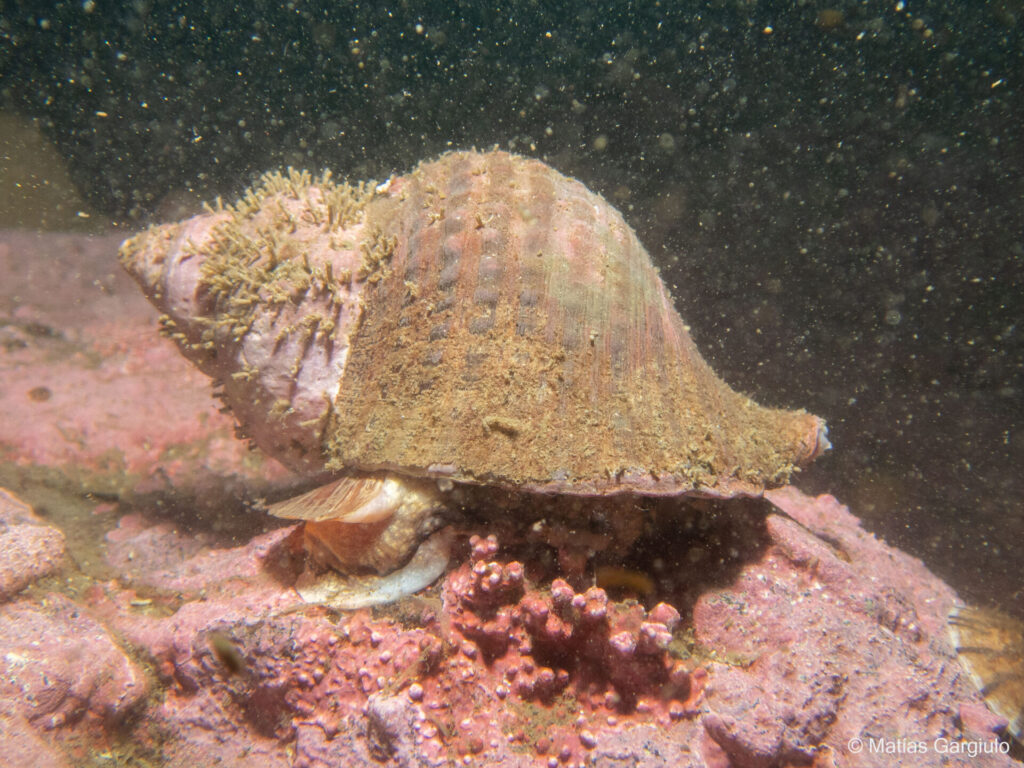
(61, 674)
(77, 360)
(29, 549)
(543, 642)
(821, 636)
(423, 685)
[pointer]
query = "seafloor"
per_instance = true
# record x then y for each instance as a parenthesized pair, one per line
(148, 611)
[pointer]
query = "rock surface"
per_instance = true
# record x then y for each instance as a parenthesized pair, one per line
(89, 388)
(185, 643)
(29, 549)
(826, 636)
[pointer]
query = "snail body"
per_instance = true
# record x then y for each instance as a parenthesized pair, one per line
(483, 320)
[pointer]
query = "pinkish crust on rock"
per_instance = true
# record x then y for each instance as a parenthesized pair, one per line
(29, 549)
(543, 644)
(801, 651)
(63, 668)
(23, 745)
(84, 346)
(27, 553)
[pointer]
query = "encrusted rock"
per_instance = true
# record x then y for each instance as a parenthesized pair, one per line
(29, 549)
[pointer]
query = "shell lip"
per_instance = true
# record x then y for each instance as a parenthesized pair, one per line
(649, 485)
(822, 443)
(638, 482)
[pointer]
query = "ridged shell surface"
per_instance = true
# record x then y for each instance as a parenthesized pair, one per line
(515, 332)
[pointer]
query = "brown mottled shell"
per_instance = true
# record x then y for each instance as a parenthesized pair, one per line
(516, 333)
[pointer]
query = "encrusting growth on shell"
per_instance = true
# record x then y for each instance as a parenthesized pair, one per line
(483, 320)
(261, 296)
(540, 350)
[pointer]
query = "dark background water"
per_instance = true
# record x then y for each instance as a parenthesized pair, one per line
(833, 190)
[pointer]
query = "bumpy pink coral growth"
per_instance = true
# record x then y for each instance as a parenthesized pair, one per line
(809, 652)
(549, 641)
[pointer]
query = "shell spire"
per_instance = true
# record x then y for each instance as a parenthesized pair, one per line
(262, 296)
(483, 319)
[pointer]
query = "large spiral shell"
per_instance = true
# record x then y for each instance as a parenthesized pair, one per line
(483, 319)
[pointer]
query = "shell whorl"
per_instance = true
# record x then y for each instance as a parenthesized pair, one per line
(520, 335)
(262, 296)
